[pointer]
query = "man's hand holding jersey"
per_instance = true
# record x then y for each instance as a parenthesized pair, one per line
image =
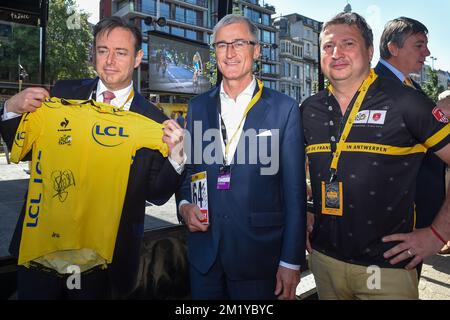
(173, 137)
(27, 100)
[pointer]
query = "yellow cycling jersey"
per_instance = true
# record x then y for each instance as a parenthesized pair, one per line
(82, 152)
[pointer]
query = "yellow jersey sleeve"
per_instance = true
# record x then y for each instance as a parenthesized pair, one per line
(149, 134)
(28, 131)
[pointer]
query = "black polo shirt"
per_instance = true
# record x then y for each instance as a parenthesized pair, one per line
(378, 167)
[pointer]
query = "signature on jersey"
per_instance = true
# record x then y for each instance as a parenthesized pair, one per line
(62, 180)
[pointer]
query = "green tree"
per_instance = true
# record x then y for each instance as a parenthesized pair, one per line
(22, 46)
(431, 86)
(69, 42)
(69, 39)
(211, 68)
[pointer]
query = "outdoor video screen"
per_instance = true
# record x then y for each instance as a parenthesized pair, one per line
(177, 65)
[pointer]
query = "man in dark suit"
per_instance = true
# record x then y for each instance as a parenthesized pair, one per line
(118, 52)
(254, 242)
(403, 50)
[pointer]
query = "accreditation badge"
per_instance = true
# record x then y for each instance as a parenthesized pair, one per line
(199, 192)
(224, 178)
(332, 198)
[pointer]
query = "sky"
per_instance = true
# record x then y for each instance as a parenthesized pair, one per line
(432, 13)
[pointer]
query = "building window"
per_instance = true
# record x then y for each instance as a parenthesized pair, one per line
(191, 34)
(270, 84)
(265, 19)
(165, 29)
(149, 7)
(177, 31)
(145, 50)
(308, 49)
(144, 27)
(253, 15)
(268, 54)
(180, 14)
(307, 71)
(297, 72)
(164, 10)
(287, 69)
(196, 2)
(121, 4)
(191, 17)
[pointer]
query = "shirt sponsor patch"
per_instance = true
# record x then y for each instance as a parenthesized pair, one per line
(377, 116)
(439, 115)
(362, 117)
(371, 116)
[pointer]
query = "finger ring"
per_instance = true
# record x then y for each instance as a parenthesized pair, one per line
(410, 253)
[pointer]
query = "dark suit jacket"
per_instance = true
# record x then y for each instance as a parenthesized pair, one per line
(261, 219)
(430, 185)
(151, 178)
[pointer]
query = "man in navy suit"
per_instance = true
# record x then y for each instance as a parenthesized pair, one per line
(118, 52)
(254, 241)
(403, 50)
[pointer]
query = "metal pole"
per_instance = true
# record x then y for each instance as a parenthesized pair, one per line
(43, 40)
(224, 7)
(18, 73)
(321, 78)
(158, 13)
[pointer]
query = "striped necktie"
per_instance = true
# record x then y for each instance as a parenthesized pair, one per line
(108, 96)
(409, 82)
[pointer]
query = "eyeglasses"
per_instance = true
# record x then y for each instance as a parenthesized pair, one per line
(238, 45)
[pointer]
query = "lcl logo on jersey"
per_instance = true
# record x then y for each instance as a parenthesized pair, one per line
(19, 139)
(108, 136)
(371, 117)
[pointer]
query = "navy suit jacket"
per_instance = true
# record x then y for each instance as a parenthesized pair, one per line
(430, 184)
(151, 178)
(261, 219)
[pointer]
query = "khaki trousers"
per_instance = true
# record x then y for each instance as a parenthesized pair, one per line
(337, 280)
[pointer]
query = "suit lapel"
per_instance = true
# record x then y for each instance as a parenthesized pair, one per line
(255, 119)
(258, 113)
(135, 103)
(86, 88)
(383, 71)
(213, 110)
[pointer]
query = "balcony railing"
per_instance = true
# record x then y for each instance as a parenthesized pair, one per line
(127, 8)
(201, 3)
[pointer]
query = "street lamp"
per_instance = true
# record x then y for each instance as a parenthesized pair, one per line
(432, 62)
(348, 8)
(150, 21)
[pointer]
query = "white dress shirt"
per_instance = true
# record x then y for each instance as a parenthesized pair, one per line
(120, 100)
(231, 113)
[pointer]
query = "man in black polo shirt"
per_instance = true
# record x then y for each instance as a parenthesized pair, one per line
(403, 50)
(365, 144)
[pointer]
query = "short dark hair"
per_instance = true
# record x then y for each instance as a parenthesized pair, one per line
(351, 19)
(397, 31)
(109, 23)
